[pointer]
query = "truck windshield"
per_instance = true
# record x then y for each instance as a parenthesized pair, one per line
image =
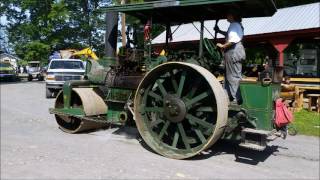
(34, 65)
(66, 65)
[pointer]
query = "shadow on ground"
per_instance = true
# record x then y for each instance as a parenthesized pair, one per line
(20, 82)
(242, 155)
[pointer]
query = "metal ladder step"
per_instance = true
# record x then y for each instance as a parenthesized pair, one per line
(254, 139)
(252, 146)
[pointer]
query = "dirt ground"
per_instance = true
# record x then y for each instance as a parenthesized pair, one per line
(32, 147)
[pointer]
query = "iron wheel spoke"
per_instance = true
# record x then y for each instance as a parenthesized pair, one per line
(181, 83)
(161, 87)
(183, 136)
(209, 131)
(199, 121)
(164, 129)
(197, 98)
(175, 139)
(156, 122)
(200, 135)
(153, 109)
(193, 89)
(154, 95)
(206, 109)
(173, 81)
(192, 92)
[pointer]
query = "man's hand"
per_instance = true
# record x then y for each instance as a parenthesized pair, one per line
(221, 46)
(216, 28)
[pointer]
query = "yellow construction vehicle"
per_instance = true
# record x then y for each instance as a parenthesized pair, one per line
(87, 52)
(73, 53)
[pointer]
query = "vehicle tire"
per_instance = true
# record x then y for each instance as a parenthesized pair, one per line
(292, 131)
(40, 78)
(48, 93)
(29, 78)
(11, 79)
(55, 93)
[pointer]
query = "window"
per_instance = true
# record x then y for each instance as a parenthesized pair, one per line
(308, 62)
(66, 65)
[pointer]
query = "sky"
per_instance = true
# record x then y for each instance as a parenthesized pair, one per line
(3, 37)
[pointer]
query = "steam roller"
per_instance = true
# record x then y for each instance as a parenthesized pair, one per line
(178, 106)
(84, 103)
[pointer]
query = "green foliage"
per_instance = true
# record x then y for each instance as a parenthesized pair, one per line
(36, 51)
(255, 56)
(307, 123)
(38, 25)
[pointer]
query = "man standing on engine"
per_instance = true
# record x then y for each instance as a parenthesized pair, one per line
(234, 54)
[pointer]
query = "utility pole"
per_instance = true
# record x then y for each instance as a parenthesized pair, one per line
(123, 26)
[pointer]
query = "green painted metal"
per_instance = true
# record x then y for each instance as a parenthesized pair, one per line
(114, 114)
(67, 89)
(116, 100)
(119, 95)
(160, 110)
(258, 100)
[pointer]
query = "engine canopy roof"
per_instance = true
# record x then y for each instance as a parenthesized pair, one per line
(184, 11)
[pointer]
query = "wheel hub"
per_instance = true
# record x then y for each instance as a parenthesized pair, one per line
(174, 108)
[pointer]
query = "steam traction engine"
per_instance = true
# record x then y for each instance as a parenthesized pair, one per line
(177, 104)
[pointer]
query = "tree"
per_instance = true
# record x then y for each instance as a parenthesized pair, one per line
(53, 25)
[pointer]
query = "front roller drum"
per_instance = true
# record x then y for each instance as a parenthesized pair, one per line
(180, 109)
(81, 98)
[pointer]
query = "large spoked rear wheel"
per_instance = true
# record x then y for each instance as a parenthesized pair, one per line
(180, 109)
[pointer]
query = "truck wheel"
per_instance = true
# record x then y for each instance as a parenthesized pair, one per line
(29, 78)
(48, 93)
(40, 78)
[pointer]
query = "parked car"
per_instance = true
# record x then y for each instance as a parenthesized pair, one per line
(7, 72)
(35, 71)
(61, 70)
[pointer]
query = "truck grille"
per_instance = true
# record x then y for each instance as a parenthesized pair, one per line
(67, 77)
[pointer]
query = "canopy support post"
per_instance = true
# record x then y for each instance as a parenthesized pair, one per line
(280, 45)
(201, 39)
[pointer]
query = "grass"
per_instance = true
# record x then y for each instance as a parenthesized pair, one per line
(307, 123)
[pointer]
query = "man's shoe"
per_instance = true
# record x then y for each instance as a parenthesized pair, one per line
(234, 103)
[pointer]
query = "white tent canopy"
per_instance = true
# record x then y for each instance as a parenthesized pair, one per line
(286, 19)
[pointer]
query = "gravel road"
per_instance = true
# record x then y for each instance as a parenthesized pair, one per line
(32, 147)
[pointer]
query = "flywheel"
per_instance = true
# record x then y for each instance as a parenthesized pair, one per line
(180, 109)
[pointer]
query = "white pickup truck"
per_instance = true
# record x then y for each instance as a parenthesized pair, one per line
(61, 70)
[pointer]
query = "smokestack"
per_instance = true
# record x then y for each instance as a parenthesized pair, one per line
(111, 34)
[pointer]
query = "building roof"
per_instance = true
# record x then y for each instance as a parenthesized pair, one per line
(9, 55)
(287, 19)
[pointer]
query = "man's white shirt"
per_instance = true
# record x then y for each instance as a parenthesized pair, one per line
(234, 33)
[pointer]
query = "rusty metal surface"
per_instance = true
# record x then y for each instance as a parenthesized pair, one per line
(75, 124)
(92, 103)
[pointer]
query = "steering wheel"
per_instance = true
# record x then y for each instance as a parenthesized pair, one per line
(212, 49)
